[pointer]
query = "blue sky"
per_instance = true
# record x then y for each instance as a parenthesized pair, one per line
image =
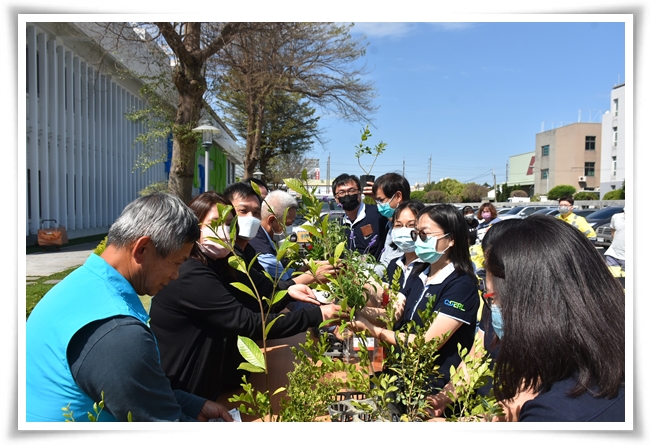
(471, 94)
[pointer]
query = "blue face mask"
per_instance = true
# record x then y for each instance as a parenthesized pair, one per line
(402, 239)
(426, 250)
(497, 320)
(385, 209)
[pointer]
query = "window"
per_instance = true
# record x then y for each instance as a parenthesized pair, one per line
(545, 150)
(590, 169)
(615, 136)
(613, 165)
(545, 173)
(615, 107)
(590, 142)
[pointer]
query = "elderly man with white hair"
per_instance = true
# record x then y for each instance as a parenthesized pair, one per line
(273, 230)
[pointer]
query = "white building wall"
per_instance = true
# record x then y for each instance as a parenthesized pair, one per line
(78, 141)
(612, 173)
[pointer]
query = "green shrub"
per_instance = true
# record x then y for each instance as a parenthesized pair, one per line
(518, 194)
(162, 186)
(586, 196)
(418, 194)
(100, 247)
(559, 191)
(614, 195)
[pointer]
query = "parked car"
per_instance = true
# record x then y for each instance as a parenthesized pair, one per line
(511, 213)
(604, 235)
(521, 213)
(603, 216)
(584, 212)
(549, 210)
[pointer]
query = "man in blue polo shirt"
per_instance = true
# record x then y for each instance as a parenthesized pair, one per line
(89, 338)
(367, 227)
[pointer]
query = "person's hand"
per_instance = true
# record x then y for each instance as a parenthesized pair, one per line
(214, 410)
(367, 190)
(332, 311)
(324, 269)
(302, 292)
(359, 324)
(437, 404)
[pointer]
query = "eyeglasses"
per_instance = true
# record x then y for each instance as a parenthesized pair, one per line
(382, 201)
(415, 234)
(343, 193)
(488, 298)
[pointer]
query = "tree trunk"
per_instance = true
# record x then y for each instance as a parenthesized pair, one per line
(254, 127)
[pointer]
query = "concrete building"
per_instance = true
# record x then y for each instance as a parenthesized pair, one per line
(521, 172)
(612, 159)
(79, 147)
(568, 155)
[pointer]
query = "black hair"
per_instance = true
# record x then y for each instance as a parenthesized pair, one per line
(468, 209)
(259, 182)
(451, 221)
(566, 198)
(414, 205)
(343, 179)
(391, 183)
(240, 190)
(563, 311)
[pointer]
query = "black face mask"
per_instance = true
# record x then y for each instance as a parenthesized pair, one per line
(349, 202)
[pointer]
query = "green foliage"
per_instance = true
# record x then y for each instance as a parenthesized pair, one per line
(535, 198)
(505, 191)
(586, 196)
(450, 187)
(467, 381)
(363, 149)
(617, 194)
(312, 383)
(101, 246)
(414, 364)
(429, 186)
(98, 407)
(155, 187)
(418, 194)
(559, 191)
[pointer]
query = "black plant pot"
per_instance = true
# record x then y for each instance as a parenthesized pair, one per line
(363, 179)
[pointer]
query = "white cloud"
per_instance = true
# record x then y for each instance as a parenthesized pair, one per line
(383, 29)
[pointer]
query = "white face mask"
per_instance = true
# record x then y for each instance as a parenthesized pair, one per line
(211, 248)
(248, 226)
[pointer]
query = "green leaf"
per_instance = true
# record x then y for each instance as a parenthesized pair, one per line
(238, 263)
(279, 390)
(279, 296)
(339, 250)
(271, 323)
(251, 352)
(248, 367)
(242, 287)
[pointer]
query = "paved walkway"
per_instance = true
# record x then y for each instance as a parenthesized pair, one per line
(42, 264)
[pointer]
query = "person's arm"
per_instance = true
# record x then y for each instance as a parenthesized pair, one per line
(119, 357)
(271, 264)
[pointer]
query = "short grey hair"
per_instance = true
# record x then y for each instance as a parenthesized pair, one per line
(278, 201)
(165, 218)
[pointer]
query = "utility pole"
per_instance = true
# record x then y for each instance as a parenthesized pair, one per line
(429, 174)
(403, 166)
(328, 174)
(495, 185)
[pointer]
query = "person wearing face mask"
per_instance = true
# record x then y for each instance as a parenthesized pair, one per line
(389, 191)
(472, 224)
(273, 231)
(446, 273)
(566, 214)
(197, 318)
(366, 228)
(488, 216)
(404, 220)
